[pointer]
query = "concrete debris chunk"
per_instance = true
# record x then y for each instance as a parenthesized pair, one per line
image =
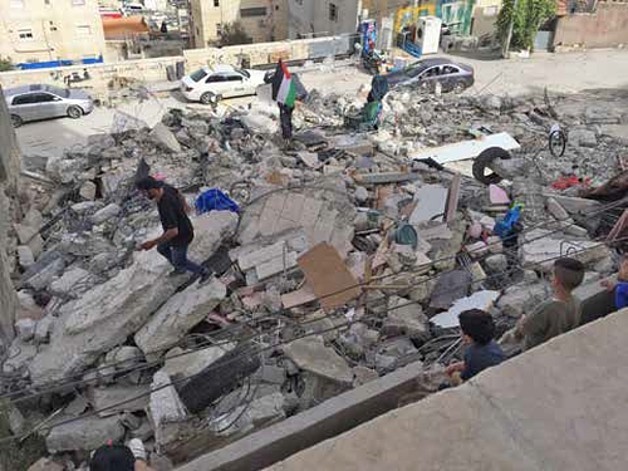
(25, 329)
(479, 300)
(85, 434)
(162, 135)
(166, 410)
(556, 209)
(113, 400)
(106, 213)
(181, 364)
(172, 321)
(310, 354)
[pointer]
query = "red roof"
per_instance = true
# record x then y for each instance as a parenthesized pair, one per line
(122, 28)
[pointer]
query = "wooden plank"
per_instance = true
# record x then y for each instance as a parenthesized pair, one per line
(298, 297)
(329, 277)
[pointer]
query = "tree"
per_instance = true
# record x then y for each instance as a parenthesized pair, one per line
(5, 64)
(233, 34)
(528, 18)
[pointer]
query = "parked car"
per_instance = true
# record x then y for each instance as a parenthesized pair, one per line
(223, 81)
(34, 102)
(453, 76)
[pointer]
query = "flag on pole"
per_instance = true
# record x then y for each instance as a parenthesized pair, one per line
(284, 87)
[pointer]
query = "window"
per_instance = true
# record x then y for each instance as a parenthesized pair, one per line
(216, 3)
(43, 98)
(234, 78)
(17, 3)
(216, 78)
(450, 69)
(256, 11)
(198, 75)
(77, 3)
(47, 2)
(25, 34)
(333, 12)
(24, 99)
(83, 31)
(219, 29)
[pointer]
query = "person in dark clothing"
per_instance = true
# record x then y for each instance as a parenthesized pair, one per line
(285, 118)
(178, 231)
(483, 352)
(120, 458)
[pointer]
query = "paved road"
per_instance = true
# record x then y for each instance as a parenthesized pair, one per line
(559, 72)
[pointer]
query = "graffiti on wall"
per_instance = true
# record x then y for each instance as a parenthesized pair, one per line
(456, 12)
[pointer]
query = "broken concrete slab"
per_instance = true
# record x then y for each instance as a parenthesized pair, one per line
(405, 318)
(96, 322)
(162, 135)
(521, 299)
(556, 209)
(275, 266)
(542, 250)
(85, 434)
(166, 411)
(310, 354)
(113, 400)
(25, 256)
(174, 319)
(582, 137)
(181, 364)
(25, 329)
(483, 300)
(449, 287)
(42, 279)
(106, 213)
(68, 283)
(383, 178)
(325, 214)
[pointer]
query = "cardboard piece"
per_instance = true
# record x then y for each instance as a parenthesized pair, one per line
(328, 276)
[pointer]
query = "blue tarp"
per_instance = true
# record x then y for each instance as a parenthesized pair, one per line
(215, 200)
(58, 63)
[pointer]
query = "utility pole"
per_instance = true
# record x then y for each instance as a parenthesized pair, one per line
(506, 45)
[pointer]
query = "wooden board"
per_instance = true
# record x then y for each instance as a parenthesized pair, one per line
(328, 276)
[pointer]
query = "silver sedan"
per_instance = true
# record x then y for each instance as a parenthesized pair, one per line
(34, 102)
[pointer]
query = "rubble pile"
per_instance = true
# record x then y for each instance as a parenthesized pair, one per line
(348, 259)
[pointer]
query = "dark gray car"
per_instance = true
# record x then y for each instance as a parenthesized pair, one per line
(424, 74)
(34, 102)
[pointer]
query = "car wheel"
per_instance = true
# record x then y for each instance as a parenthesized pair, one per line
(75, 112)
(209, 98)
(16, 121)
(459, 87)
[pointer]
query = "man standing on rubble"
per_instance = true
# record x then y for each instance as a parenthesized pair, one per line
(178, 231)
(284, 92)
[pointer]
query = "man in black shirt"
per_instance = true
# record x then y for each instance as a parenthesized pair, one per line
(178, 231)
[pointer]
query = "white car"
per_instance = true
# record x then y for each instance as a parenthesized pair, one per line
(223, 81)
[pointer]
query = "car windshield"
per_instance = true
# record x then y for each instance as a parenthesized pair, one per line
(198, 75)
(415, 69)
(243, 72)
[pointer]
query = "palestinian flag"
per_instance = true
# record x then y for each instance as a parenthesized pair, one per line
(283, 85)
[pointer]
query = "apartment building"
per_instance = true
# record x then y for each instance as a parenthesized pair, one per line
(50, 32)
(262, 20)
(308, 18)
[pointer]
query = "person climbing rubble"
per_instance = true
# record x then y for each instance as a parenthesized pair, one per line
(478, 331)
(120, 458)
(178, 230)
(555, 316)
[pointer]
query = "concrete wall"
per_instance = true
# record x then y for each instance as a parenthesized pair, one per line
(66, 29)
(153, 70)
(560, 406)
(9, 169)
(607, 27)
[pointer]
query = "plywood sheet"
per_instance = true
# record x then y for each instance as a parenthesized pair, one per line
(328, 276)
